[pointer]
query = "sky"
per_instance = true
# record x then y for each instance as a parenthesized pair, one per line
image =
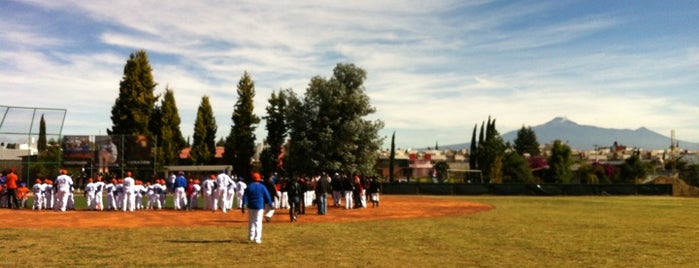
(435, 69)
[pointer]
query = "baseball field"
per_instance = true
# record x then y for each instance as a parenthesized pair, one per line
(405, 231)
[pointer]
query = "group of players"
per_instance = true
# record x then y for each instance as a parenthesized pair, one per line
(218, 192)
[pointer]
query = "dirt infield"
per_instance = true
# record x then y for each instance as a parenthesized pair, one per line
(392, 207)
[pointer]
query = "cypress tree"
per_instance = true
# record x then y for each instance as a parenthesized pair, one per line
(41, 144)
(240, 143)
(170, 138)
(204, 144)
(473, 155)
(392, 158)
(276, 126)
(133, 107)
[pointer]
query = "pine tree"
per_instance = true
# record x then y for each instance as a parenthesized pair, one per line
(559, 163)
(240, 143)
(276, 126)
(170, 138)
(526, 142)
(204, 144)
(41, 142)
(133, 107)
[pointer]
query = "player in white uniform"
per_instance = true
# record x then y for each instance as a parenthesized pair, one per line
(110, 189)
(240, 191)
(230, 193)
(207, 187)
(196, 192)
(139, 191)
(162, 193)
(129, 201)
(48, 194)
(90, 190)
(63, 184)
(119, 194)
(38, 190)
(222, 182)
(99, 186)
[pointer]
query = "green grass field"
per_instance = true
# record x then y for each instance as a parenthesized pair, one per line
(522, 231)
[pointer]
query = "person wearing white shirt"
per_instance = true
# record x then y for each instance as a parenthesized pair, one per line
(222, 182)
(90, 190)
(38, 190)
(63, 184)
(129, 185)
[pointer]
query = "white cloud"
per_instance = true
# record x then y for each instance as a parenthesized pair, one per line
(434, 69)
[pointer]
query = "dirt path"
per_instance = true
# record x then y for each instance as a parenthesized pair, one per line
(392, 207)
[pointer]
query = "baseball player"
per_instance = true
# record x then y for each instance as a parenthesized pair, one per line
(38, 190)
(90, 190)
(99, 186)
(207, 187)
(180, 185)
(196, 192)
(230, 193)
(162, 193)
(240, 191)
(139, 191)
(110, 189)
(119, 194)
(49, 200)
(129, 200)
(63, 183)
(222, 183)
(22, 195)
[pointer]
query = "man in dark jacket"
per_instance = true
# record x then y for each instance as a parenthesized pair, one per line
(323, 188)
(292, 189)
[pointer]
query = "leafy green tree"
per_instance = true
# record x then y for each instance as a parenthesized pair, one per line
(328, 129)
(526, 142)
(240, 143)
(587, 174)
(277, 129)
(204, 144)
(560, 162)
(515, 169)
(634, 170)
(442, 167)
(41, 142)
(133, 107)
(166, 125)
(690, 174)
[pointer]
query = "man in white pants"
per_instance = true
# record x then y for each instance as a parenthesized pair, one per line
(222, 182)
(90, 194)
(63, 184)
(208, 187)
(99, 185)
(230, 193)
(240, 191)
(129, 194)
(38, 190)
(180, 198)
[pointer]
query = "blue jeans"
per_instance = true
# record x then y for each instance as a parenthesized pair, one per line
(322, 203)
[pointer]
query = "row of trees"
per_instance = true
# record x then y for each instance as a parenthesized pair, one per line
(323, 130)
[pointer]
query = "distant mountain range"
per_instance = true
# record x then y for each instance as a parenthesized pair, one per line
(584, 137)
